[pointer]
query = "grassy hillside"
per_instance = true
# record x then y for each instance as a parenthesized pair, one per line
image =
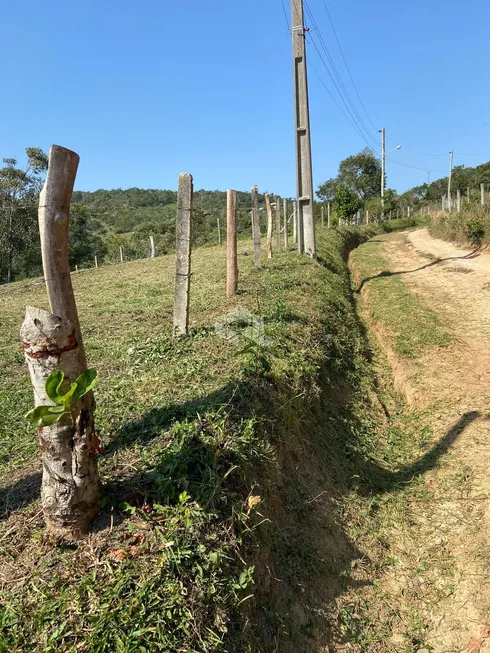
(224, 525)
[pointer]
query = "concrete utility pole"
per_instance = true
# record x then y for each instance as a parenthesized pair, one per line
(383, 167)
(304, 175)
(285, 205)
(295, 223)
(450, 203)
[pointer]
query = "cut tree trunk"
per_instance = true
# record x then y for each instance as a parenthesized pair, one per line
(70, 490)
(53, 341)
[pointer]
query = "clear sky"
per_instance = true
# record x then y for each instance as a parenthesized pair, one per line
(144, 90)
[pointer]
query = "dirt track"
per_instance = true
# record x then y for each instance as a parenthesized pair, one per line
(452, 384)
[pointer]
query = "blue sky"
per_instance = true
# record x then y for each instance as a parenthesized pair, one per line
(143, 91)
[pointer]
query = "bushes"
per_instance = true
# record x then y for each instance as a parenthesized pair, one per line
(470, 226)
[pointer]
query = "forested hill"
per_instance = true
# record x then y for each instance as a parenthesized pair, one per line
(125, 210)
(104, 222)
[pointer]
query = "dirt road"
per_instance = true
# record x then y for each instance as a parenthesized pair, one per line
(441, 573)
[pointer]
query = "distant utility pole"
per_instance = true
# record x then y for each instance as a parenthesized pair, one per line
(450, 203)
(304, 176)
(383, 167)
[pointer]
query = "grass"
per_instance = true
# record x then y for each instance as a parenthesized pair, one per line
(412, 324)
(246, 494)
(192, 432)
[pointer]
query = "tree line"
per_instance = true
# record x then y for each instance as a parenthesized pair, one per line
(102, 222)
(357, 187)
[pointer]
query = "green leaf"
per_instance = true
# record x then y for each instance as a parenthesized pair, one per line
(67, 398)
(127, 507)
(45, 415)
(53, 384)
(84, 384)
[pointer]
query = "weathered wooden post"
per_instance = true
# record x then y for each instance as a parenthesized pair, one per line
(256, 226)
(76, 268)
(328, 215)
(183, 254)
(295, 223)
(458, 200)
(70, 490)
(96, 261)
(231, 245)
(268, 242)
(219, 230)
(286, 225)
(121, 256)
(278, 222)
(482, 193)
(152, 247)
(367, 217)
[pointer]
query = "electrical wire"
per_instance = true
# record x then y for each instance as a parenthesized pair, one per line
(285, 13)
(347, 65)
(352, 124)
(343, 92)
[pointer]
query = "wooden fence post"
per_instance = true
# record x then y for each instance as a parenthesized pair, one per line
(183, 254)
(96, 261)
(286, 225)
(256, 226)
(278, 222)
(70, 490)
(218, 221)
(295, 223)
(268, 244)
(231, 245)
(482, 193)
(121, 256)
(152, 247)
(367, 217)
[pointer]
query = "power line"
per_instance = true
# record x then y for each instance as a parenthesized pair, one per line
(285, 13)
(344, 94)
(353, 125)
(346, 64)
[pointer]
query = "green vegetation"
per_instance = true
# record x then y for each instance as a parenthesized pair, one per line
(412, 325)
(101, 222)
(193, 431)
(470, 226)
(64, 403)
(247, 467)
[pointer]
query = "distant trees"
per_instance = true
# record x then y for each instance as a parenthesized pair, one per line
(358, 182)
(101, 222)
(19, 188)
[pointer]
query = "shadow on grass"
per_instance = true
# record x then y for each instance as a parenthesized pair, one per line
(388, 273)
(19, 494)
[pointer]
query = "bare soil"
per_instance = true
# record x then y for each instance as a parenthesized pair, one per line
(442, 569)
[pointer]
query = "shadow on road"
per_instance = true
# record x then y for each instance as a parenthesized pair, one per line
(388, 273)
